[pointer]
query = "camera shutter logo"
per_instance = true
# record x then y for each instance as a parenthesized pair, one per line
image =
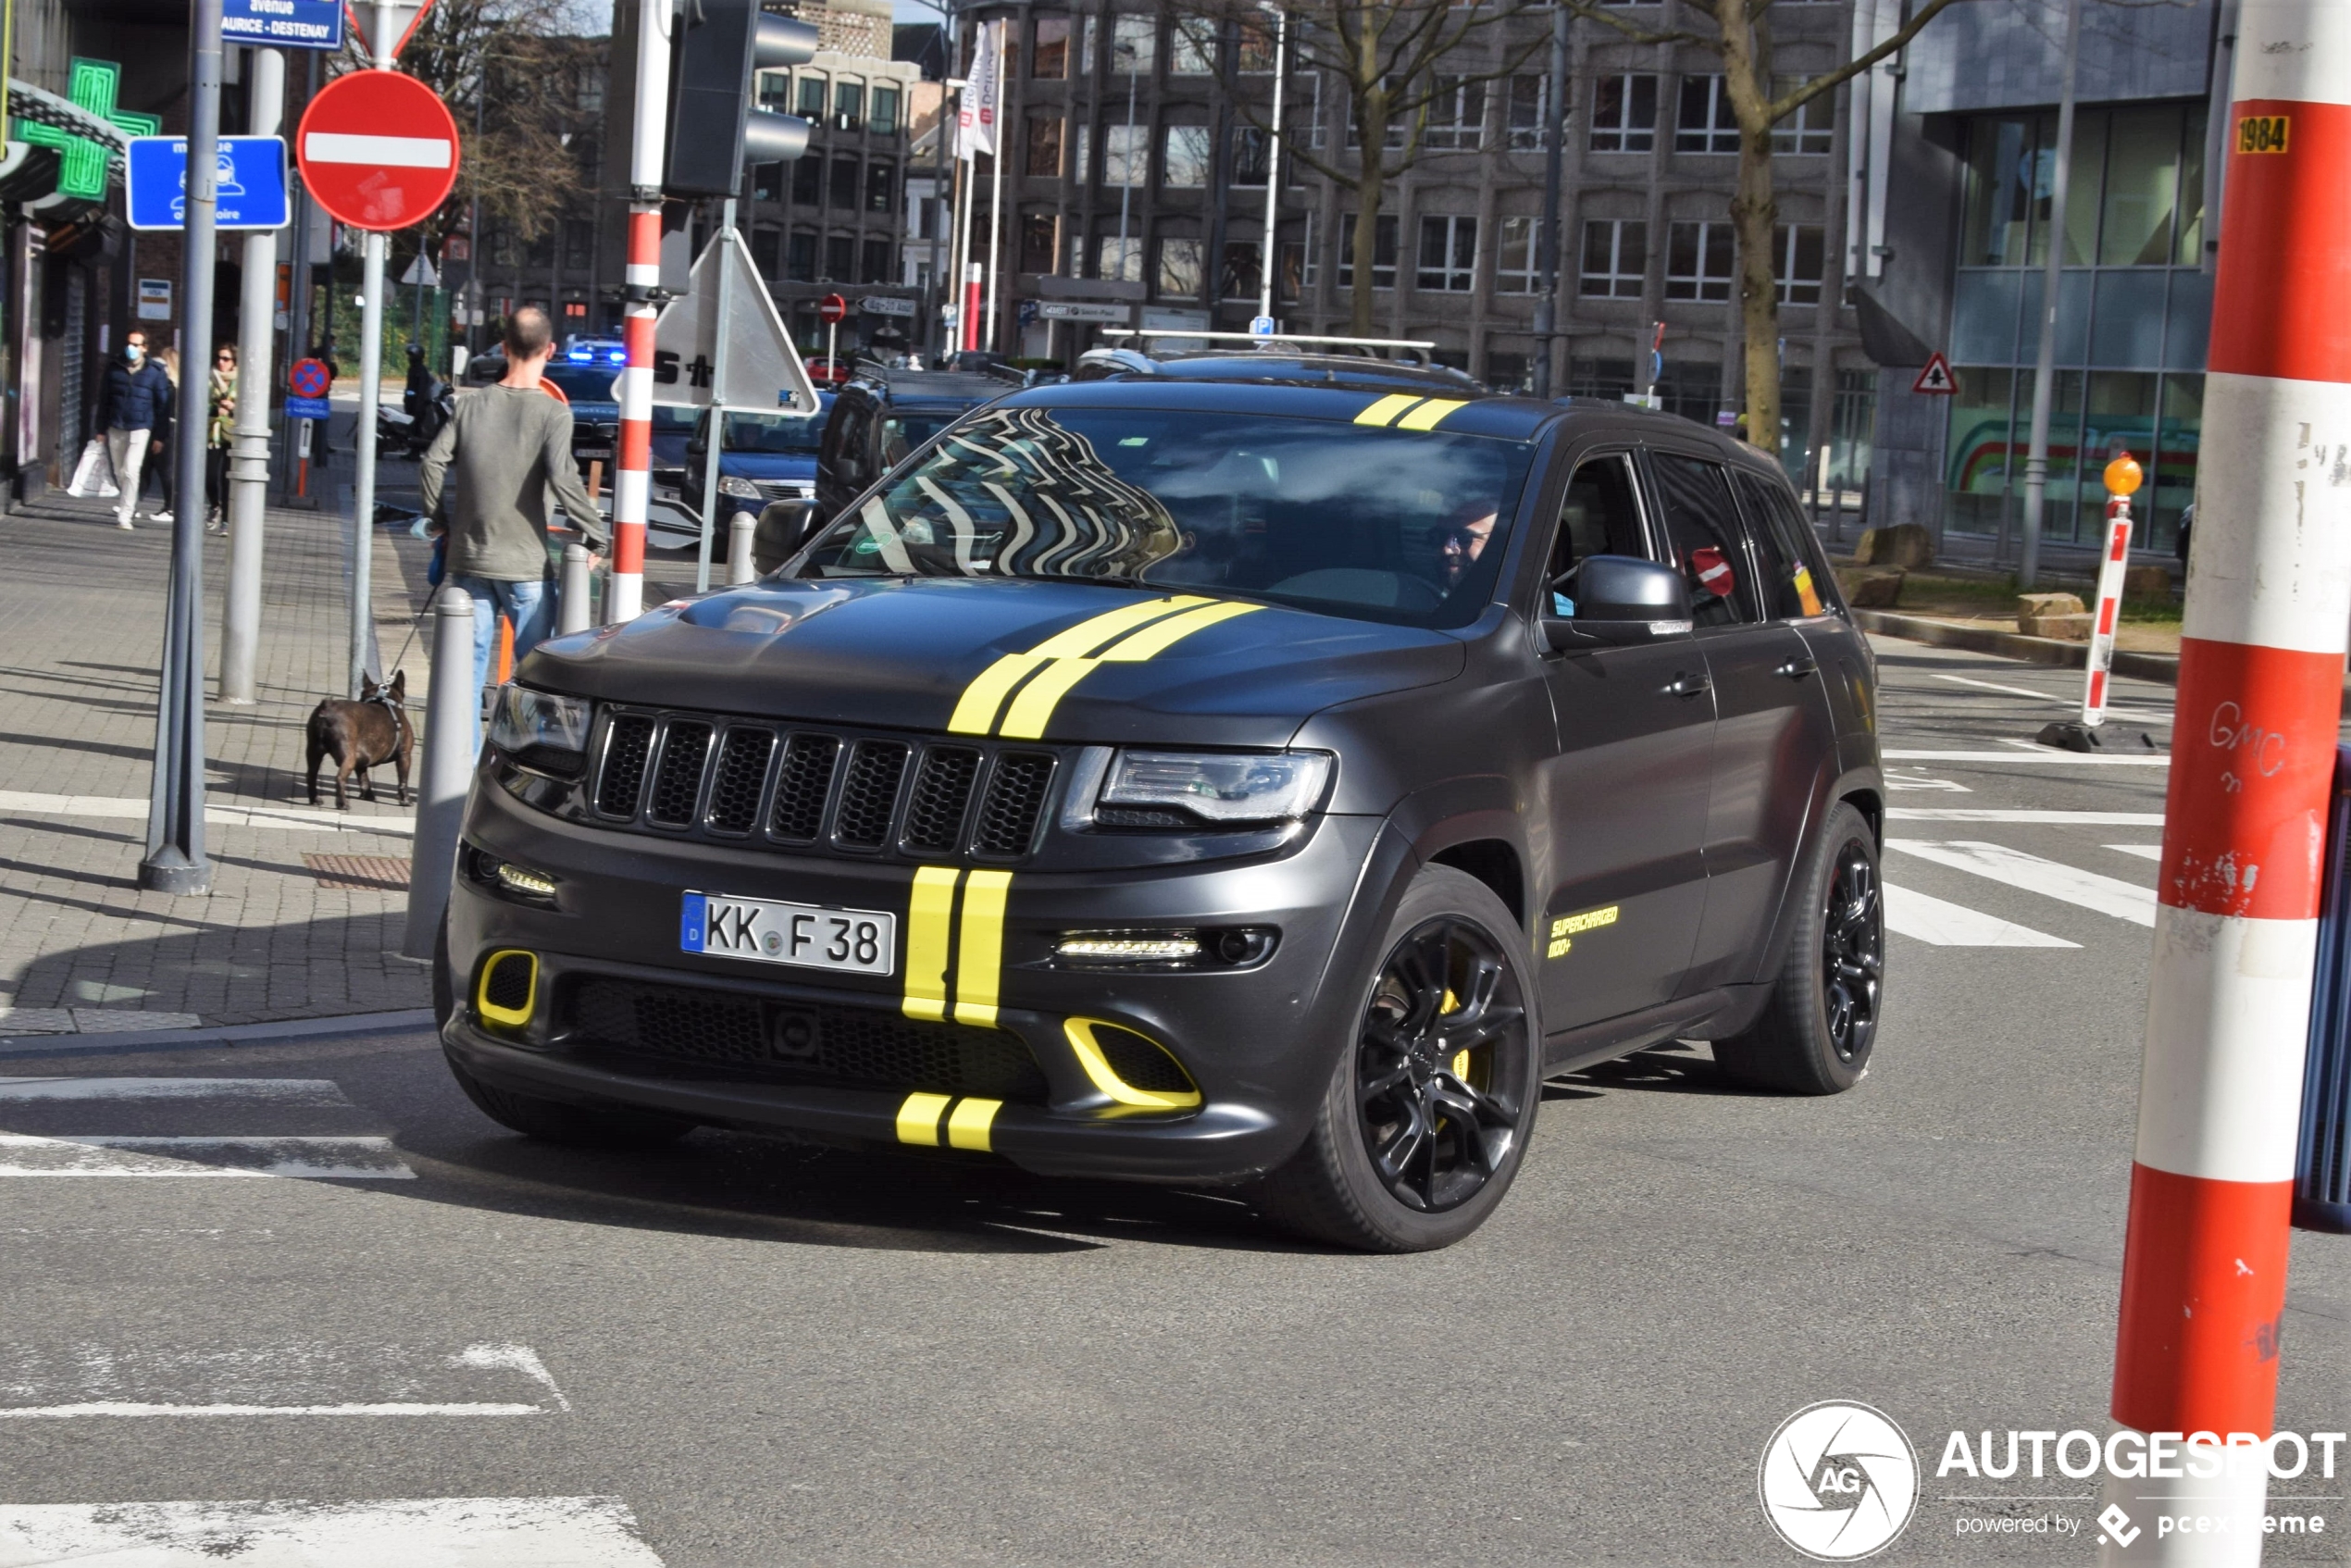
(1838, 1481)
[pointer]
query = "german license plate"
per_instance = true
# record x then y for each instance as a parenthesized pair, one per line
(808, 936)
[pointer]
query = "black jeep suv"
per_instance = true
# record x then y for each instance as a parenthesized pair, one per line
(1255, 780)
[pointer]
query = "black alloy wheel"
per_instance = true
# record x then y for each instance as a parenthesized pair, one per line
(1441, 1066)
(1852, 953)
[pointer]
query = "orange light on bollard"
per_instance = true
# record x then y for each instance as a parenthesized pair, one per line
(2123, 477)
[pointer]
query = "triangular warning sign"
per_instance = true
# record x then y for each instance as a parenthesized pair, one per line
(1935, 379)
(764, 371)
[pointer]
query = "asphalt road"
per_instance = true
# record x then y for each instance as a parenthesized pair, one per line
(736, 1353)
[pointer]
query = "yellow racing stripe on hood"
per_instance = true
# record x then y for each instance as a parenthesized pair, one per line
(975, 711)
(1033, 709)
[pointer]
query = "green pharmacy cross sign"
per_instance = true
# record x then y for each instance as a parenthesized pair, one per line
(93, 88)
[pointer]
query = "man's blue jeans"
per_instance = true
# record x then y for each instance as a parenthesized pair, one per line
(530, 604)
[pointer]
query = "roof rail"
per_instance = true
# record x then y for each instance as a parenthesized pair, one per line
(1282, 339)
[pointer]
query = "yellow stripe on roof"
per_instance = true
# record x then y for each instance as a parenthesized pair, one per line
(1386, 410)
(1428, 414)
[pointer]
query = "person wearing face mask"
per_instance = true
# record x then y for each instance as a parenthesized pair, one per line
(134, 399)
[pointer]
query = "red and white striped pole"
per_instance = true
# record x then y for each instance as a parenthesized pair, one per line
(632, 477)
(2261, 663)
(2122, 477)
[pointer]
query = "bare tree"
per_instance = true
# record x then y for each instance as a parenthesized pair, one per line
(1742, 40)
(1392, 62)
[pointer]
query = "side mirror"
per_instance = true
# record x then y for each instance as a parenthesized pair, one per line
(1619, 599)
(784, 527)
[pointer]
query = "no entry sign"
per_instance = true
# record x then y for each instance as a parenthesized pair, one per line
(377, 149)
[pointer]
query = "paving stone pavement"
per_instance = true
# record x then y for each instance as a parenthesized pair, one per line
(80, 629)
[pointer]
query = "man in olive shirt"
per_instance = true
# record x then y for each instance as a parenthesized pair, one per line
(512, 446)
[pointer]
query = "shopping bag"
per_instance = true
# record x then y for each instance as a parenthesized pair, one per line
(94, 474)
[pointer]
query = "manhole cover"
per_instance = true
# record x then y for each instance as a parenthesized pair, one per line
(367, 873)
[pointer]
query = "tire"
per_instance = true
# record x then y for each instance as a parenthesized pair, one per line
(1815, 1033)
(582, 1126)
(1384, 1168)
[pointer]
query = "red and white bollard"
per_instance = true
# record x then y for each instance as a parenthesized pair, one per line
(2122, 477)
(632, 477)
(973, 272)
(2260, 691)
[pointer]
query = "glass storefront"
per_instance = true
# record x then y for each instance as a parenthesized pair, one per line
(2134, 309)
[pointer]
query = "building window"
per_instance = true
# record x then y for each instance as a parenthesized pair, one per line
(580, 244)
(1039, 241)
(883, 121)
(1081, 157)
(1383, 252)
(1191, 48)
(1179, 270)
(877, 268)
(1797, 259)
(774, 91)
(1119, 259)
(802, 267)
(1134, 45)
(849, 106)
(812, 98)
(1309, 259)
(1306, 122)
(1258, 46)
(1810, 130)
(881, 186)
(767, 251)
(1529, 93)
(1456, 114)
(1698, 261)
(1624, 114)
(842, 190)
(1126, 154)
(841, 258)
(1050, 61)
(1449, 254)
(1240, 277)
(1186, 161)
(808, 181)
(1044, 159)
(1705, 123)
(1250, 146)
(1086, 46)
(1515, 256)
(1616, 257)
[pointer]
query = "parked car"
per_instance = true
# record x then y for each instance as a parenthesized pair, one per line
(766, 464)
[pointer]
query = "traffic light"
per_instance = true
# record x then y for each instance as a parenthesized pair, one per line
(716, 125)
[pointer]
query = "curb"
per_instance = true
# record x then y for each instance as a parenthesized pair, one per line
(133, 1041)
(2162, 668)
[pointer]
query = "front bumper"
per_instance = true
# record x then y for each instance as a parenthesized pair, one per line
(1259, 1040)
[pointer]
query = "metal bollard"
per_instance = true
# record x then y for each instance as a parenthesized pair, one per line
(448, 768)
(740, 531)
(573, 613)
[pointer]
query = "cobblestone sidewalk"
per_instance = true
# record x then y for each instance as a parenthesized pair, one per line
(295, 927)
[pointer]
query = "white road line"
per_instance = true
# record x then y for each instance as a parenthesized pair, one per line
(309, 1158)
(2050, 878)
(1953, 924)
(289, 818)
(274, 1091)
(2032, 754)
(81, 1381)
(136, 1407)
(1912, 781)
(2138, 714)
(1989, 814)
(585, 1532)
(2144, 852)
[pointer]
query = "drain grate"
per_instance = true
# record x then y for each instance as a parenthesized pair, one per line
(362, 873)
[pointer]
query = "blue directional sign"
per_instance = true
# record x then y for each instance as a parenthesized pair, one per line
(284, 24)
(251, 182)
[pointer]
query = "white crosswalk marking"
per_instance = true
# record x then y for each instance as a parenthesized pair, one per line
(104, 1127)
(2108, 895)
(2144, 852)
(81, 1381)
(383, 1533)
(2050, 818)
(277, 1092)
(1952, 925)
(100, 1155)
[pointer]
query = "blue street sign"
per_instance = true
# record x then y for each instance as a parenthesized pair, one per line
(284, 24)
(1261, 326)
(251, 182)
(306, 407)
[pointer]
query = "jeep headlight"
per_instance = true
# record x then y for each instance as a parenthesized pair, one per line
(1219, 787)
(544, 730)
(732, 484)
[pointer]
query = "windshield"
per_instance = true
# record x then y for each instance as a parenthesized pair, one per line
(585, 383)
(774, 432)
(1386, 524)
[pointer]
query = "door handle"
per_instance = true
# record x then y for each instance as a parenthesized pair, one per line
(1687, 685)
(1796, 670)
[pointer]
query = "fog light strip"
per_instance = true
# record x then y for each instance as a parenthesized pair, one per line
(929, 926)
(1080, 1035)
(980, 959)
(969, 1124)
(918, 1119)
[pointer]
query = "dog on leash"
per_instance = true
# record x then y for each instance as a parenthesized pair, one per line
(363, 735)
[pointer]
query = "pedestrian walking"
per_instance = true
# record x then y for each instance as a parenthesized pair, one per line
(510, 445)
(133, 397)
(221, 423)
(159, 438)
